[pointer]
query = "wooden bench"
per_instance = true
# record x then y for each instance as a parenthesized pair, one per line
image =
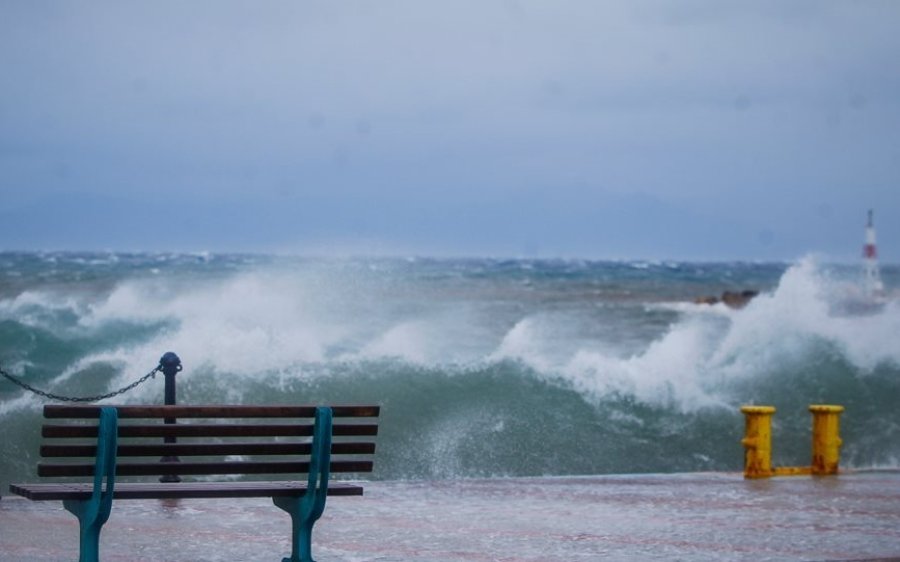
(260, 443)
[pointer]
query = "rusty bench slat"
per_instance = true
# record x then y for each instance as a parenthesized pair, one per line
(206, 449)
(200, 468)
(53, 431)
(182, 490)
(210, 411)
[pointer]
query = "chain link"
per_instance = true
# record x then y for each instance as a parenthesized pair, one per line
(28, 387)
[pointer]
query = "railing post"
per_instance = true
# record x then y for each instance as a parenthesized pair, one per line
(171, 365)
(758, 441)
(826, 443)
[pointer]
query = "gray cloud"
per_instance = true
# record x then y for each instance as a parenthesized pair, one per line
(370, 119)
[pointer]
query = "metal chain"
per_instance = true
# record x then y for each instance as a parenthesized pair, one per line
(39, 392)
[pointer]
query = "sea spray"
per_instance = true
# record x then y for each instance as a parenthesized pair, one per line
(483, 367)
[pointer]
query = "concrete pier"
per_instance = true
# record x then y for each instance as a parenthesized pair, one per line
(701, 516)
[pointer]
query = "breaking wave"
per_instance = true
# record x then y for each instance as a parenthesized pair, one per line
(482, 367)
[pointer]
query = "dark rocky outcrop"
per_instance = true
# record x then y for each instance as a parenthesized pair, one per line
(732, 299)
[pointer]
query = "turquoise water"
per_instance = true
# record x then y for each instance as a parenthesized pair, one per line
(483, 367)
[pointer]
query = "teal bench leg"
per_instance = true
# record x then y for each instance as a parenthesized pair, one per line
(93, 513)
(90, 521)
(306, 510)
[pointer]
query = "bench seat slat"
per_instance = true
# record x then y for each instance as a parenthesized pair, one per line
(197, 468)
(209, 430)
(148, 490)
(211, 411)
(205, 449)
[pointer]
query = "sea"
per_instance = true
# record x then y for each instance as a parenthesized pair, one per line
(482, 367)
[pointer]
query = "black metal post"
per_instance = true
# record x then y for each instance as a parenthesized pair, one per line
(170, 365)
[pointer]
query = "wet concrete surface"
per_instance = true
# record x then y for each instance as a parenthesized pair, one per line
(703, 516)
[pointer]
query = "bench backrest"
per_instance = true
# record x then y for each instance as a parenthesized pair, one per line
(207, 440)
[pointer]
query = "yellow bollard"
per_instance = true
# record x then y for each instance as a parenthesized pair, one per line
(826, 446)
(758, 441)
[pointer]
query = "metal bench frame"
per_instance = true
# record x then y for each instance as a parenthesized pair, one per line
(91, 502)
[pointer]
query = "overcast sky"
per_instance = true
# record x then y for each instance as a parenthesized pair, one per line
(563, 128)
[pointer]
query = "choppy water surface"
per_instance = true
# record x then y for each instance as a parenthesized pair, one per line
(483, 367)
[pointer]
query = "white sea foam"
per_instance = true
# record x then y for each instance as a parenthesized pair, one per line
(670, 370)
(690, 364)
(274, 323)
(26, 401)
(39, 308)
(263, 323)
(522, 342)
(407, 340)
(800, 313)
(248, 323)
